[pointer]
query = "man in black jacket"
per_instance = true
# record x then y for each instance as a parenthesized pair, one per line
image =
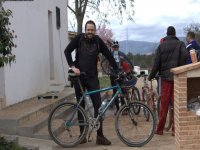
(88, 46)
(170, 53)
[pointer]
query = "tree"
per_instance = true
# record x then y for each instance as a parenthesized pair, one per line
(105, 33)
(6, 37)
(117, 8)
(194, 27)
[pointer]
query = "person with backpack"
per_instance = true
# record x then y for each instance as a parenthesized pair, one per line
(88, 46)
(170, 53)
(124, 64)
(192, 44)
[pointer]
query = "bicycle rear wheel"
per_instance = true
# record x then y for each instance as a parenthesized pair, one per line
(132, 129)
(64, 125)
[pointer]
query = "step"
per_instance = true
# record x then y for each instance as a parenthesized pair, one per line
(44, 133)
(18, 114)
(33, 125)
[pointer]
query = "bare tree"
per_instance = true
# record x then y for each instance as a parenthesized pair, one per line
(194, 27)
(116, 8)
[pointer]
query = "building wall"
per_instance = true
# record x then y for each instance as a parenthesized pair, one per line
(30, 75)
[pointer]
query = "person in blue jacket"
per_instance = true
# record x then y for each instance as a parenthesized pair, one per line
(192, 44)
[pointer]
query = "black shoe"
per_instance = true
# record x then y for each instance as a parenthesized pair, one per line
(101, 140)
(84, 141)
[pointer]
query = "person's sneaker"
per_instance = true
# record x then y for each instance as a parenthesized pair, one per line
(101, 140)
(84, 141)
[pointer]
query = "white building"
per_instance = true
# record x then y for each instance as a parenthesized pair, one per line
(41, 40)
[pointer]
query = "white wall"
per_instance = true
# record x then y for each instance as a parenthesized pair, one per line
(30, 76)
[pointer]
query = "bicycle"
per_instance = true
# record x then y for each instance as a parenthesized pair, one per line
(133, 130)
(134, 91)
(149, 96)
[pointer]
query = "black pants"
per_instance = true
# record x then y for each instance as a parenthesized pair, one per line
(112, 80)
(89, 83)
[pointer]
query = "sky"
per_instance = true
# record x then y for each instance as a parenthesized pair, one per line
(152, 17)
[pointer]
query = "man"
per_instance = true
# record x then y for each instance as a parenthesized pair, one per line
(124, 64)
(192, 44)
(170, 53)
(87, 47)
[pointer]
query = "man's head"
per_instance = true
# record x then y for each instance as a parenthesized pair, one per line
(115, 45)
(171, 31)
(90, 29)
(190, 36)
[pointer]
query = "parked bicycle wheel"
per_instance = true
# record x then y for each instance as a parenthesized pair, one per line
(154, 105)
(105, 66)
(135, 97)
(63, 124)
(168, 122)
(134, 130)
(145, 99)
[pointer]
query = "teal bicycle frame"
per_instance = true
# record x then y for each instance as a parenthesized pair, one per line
(87, 93)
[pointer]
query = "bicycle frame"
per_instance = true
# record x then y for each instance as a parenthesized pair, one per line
(88, 93)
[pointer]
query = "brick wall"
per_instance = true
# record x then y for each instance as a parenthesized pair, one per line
(187, 124)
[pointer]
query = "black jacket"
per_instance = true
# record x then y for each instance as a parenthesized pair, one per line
(171, 53)
(87, 51)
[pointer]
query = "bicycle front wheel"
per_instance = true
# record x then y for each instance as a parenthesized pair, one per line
(68, 124)
(134, 130)
(135, 97)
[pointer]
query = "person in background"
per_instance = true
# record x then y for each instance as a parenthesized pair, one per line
(192, 44)
(124, 64)
(170, 53)
(88, 46)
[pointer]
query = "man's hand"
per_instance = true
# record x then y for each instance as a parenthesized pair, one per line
(76, 71)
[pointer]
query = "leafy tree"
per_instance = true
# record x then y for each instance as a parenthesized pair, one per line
(6, 37)
(117, 8)
(194, 27)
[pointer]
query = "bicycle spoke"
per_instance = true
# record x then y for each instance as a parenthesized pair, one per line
(133, 129)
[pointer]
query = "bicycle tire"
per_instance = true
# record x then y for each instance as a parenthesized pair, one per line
(62, 119)
(135, 96)
(155, 109)
(105, 66)
(137, 134)
(145, 101)
(168, 122)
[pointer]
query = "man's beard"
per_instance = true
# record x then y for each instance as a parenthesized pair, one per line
(89, 35)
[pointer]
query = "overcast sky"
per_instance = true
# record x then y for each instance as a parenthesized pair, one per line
(152, 17)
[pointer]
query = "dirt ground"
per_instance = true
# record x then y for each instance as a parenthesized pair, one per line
(158, 142)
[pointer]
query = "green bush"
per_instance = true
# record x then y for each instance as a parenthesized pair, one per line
(6, 38)
(5, 145)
